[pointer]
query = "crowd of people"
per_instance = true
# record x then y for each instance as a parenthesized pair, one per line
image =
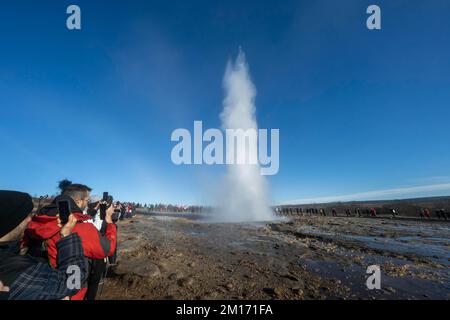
(59, 250)
(177, 208)
(357, 212)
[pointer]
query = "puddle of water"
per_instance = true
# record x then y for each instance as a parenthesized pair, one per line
(435, 252)
(261, 223)
(165, 218)
(434, 248)
(197, 234)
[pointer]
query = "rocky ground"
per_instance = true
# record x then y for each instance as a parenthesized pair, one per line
(168, 257)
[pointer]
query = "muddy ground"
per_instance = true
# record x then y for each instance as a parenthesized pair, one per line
(170, 257)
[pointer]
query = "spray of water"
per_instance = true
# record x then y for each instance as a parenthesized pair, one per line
(245, 193)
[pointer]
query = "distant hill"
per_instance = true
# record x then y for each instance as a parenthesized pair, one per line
(406, 207)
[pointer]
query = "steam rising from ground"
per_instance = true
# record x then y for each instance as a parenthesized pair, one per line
(245, 193)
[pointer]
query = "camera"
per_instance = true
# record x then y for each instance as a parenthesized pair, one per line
(107, 201)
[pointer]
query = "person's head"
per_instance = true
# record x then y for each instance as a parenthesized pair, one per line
(78, 192)
(15, 213)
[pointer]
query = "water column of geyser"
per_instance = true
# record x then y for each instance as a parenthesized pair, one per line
(245, 191)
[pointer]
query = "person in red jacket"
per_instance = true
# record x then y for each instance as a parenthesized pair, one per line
(42, 232)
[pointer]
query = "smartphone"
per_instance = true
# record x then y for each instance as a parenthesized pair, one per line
(64, 211)
(103, 206)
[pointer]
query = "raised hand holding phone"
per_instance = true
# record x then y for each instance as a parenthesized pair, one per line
(104, 205)
(68, 227)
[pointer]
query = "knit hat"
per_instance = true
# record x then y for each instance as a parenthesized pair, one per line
(14, 208)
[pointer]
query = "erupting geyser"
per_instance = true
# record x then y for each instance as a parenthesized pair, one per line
(245, 192)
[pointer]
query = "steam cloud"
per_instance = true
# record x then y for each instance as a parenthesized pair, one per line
(245, 194)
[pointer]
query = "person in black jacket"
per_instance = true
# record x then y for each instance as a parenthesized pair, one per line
(23, 277)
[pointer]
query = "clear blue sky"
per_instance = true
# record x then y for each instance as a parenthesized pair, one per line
(358, 110)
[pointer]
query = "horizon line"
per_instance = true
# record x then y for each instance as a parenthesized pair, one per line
(371, 195)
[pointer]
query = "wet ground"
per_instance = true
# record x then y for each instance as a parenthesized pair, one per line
(174, 257)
